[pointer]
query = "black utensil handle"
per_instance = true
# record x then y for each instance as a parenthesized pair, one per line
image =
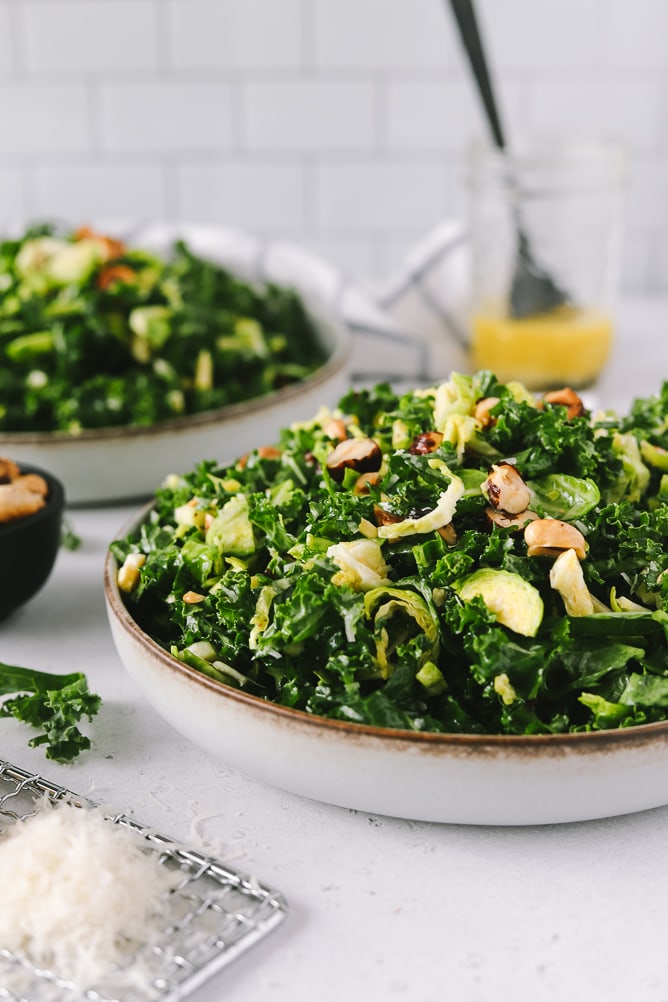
(467, 22)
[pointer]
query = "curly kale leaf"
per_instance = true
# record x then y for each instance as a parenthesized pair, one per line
(56, 703)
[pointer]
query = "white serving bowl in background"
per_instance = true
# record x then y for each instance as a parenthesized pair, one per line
(113, 465)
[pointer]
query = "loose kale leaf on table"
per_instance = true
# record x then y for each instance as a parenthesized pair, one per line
(55, 703)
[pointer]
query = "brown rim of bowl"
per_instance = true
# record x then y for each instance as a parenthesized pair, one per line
(591, 741)
(336, 360)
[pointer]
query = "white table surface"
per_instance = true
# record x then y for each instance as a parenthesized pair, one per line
(379, 908)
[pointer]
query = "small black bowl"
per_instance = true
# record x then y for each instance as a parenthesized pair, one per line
(29, 546)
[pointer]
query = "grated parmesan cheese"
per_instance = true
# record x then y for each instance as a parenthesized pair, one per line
(79, 893)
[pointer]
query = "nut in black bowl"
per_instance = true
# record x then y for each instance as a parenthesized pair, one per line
(29, 545)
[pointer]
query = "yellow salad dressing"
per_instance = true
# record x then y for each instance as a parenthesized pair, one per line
(567, 346)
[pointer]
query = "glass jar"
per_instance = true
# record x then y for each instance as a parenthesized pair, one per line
(546, 229)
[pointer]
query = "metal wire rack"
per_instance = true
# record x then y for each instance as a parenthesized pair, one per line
(212, 915)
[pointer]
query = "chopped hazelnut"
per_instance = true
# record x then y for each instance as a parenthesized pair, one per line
(505, 521)
(506, 490)
(8, 470)
(568, 398)
(32, 482)
(193, 597)
(360, 454)
(426, 442)
(335, 429)
(448, 534)
(548, 537)
(364, 481)
(17, 502)
(385, 517)
(482, 410)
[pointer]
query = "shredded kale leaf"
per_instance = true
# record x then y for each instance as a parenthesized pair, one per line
(55, 703)
(369, 568)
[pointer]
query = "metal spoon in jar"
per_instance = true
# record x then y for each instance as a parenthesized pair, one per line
(532, 289)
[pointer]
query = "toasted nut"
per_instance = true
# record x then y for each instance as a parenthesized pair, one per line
(510, 521)
(364, 481)
(548, 537)
(17, 502)
(506, 490)
(193, 597)
(385, 517)
(427, 442)
(32, 482)
(115, 274)
(482, 409)
(264, 452)
(8, 470)
(128, 574)
(361, 454)
(335, 429)
(269, 452)
(448, 534)
(20, 495)
(109, 247)
(568, 398)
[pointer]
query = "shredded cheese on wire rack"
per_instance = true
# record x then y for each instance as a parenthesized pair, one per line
(101, 907)
(79, 893)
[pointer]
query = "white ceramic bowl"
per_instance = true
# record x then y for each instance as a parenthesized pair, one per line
(465, 779)
(122, 464)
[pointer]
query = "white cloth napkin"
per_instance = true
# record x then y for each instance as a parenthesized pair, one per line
(409, 329)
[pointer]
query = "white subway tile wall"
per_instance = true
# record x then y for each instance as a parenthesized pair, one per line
(338, 124)
(74, 38)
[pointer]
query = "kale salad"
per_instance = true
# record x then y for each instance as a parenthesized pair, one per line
(97, 334)
(464, 558)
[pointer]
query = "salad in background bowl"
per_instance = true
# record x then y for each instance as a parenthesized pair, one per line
(124, 358)
(430, 605)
